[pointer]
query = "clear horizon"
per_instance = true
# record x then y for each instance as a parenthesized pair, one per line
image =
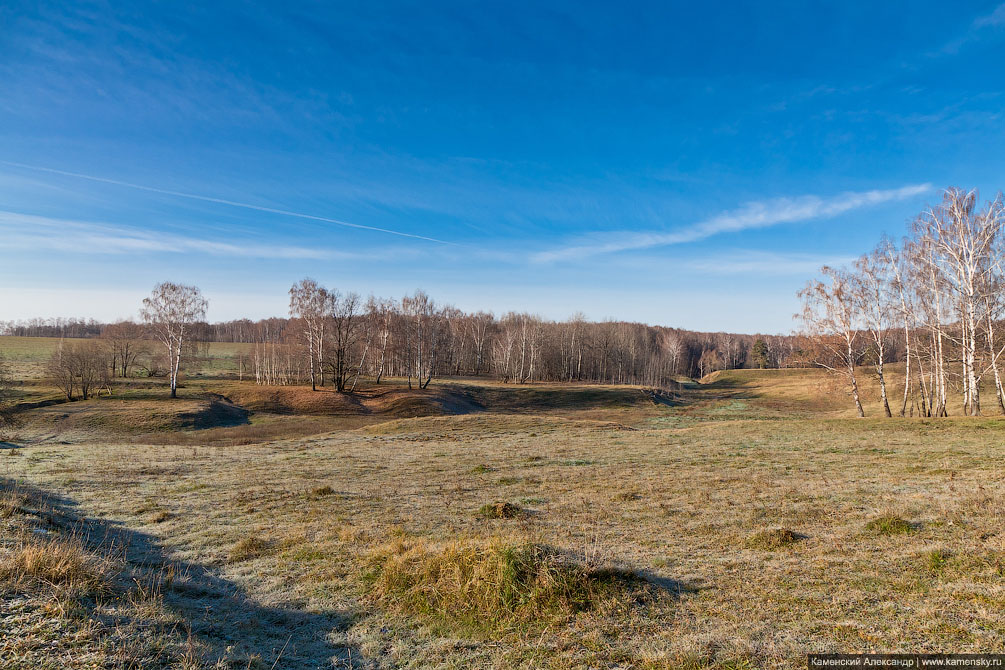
(665, 165)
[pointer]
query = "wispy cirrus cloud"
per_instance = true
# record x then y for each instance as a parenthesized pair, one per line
(750, 216)
(222, 201)
(978, 29)
(26, 231)
(764, 263)
(995, 18)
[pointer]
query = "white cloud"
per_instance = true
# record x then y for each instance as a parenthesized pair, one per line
(995, 18)
(25, 231)
(750, 216)
(221, 201)
(764, 263)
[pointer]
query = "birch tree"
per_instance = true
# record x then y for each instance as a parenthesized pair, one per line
(897, 267)
(169, 313)
(963, 243)
(831, 320)
(871, 287)
(310, 303)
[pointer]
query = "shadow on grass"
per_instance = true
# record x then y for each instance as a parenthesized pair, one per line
(218, 413)
(232, 629)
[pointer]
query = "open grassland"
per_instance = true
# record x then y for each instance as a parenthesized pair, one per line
(484, 525)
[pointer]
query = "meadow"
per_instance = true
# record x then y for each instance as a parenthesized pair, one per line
(742, 524)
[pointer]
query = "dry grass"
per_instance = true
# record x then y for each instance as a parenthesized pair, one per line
(248, 548)
(500, 510)
(491, 587)
(67, 603)
(679, 500)
(775, 538)
(60, 564)
(889, 525)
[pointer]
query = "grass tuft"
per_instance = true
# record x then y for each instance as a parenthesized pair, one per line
(889, 525)
(937, 559)
(481, 469)
(248, 548)
(491, 587)
(500, 510)
(52, 563)
(775, 538)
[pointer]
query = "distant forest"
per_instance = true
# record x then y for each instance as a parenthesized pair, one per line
(335, 338)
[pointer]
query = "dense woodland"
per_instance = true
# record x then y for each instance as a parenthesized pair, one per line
(935, 301)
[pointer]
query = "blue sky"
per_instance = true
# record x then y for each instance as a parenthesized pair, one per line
(669, 163)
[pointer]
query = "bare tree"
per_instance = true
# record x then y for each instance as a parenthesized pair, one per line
(381, 314)
(871, 286)
(480, 331)
(311, 303)
(78, 366)
(170, 312)
(59, 371)
(963, 242)
(424, 330)
(898, 267)
(125, 345)
(346, 324)
(89, 367)
(831, 321)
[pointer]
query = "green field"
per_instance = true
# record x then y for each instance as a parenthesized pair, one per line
(478, 524)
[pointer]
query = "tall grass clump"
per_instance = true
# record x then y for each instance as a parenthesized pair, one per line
(491, 587)
(60, 565)
(773, 539)
(889, 525)
(500, 510)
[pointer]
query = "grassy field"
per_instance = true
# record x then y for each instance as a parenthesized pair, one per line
(484, 525)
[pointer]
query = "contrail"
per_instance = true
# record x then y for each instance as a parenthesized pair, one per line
(221, 201)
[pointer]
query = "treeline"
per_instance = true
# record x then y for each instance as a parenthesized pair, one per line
(935, 301)
(58, 327)
(335, 338)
